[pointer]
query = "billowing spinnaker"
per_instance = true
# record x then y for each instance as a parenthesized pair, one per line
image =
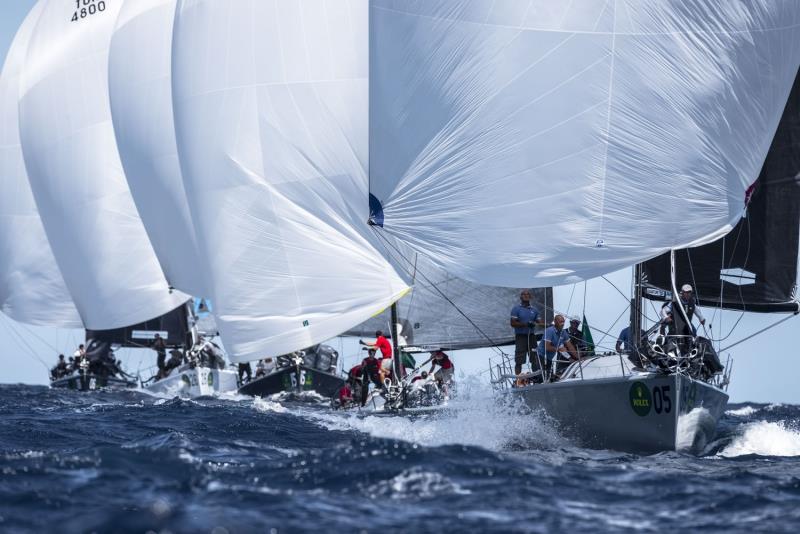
(75, 172)
(31, 287)
(539, 142)
(140, 89)
(270, 104)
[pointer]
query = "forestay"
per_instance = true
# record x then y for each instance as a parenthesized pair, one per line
(754, 267)
(75, 172)
(140, 88)
(535, 142)
(271, 121)
(31, 287)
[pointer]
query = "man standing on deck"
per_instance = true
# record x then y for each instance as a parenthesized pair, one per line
(524, 319)
(385, 347)
(669, 313)
(161, 350)
(555, 341)
(576, 336)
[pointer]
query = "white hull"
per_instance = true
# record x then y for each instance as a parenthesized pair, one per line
(197, 382)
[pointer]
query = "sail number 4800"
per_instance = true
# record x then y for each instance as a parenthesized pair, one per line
(85, 8)
(661, 399)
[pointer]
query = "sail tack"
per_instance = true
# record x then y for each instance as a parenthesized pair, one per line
(76, 175)
(31, 287)
(538, 142)
(140, 88)
(754, 267)
(270, 103)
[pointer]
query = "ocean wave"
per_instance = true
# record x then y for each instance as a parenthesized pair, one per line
(744, 411)
(416, 483)
(764, 438)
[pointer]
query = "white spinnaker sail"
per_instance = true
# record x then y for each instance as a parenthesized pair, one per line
(75, 172)
(271, 119)
(539, 142)
(140, 88)
(31, 287)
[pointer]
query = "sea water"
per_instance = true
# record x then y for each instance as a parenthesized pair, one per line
(128, 462)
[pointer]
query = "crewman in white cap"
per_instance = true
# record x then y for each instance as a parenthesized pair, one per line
(689, 305)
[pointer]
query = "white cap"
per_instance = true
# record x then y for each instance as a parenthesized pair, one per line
(686, 287)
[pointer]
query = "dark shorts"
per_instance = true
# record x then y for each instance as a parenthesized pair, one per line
(525, 344)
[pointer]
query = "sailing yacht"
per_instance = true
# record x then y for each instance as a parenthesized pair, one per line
(84, 257)
(554, 143)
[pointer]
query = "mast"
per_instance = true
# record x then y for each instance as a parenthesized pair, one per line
(398, 365)
(636, 308)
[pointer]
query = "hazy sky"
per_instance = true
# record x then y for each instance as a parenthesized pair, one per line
(766, 368)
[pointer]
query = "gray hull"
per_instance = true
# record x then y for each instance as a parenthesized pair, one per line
(637, 413)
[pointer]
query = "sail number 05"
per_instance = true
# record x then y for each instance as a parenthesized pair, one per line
(85, 8)
(661, 399)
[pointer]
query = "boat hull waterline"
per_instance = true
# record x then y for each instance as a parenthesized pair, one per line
(296, 379)
(636, 413)
(197, 382)
(92, 382)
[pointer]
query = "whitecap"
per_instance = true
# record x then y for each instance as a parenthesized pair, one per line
(744, 411)
(264, 405)
(765, 438)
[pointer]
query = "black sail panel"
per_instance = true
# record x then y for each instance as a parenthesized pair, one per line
(173, 326)
(754, 267)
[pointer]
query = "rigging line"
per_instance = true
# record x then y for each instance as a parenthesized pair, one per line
(25, 344)
(445, 297)
(34, 334)
(569, 304)
(583, 313)
(754, 334)
(606, 334)
(612, 285)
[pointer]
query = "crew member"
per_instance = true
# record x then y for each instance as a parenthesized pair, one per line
(576, 336)
(383, 344)
(245, 369)
(669, 314)
(161, 350)
(60, 368)
(446, 370)
(345, 395)
(524, 319)
(368, 371)
(555, 341)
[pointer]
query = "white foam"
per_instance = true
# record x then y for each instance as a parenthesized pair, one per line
(765, 439)
(744, 411)
(474, 418)
(264, 405)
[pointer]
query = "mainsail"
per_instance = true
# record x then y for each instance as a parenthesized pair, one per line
(539, 142)
(754, 267)
(272, 131)
(443, 311)
(76, 175)
(31, 287)
(140, 90)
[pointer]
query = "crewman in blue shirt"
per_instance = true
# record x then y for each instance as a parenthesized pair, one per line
(556, 340)
(524, 319)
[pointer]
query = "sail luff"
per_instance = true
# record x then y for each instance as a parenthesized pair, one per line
(140, 91)
(271, 125)
(76, 176)
(32, 289)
